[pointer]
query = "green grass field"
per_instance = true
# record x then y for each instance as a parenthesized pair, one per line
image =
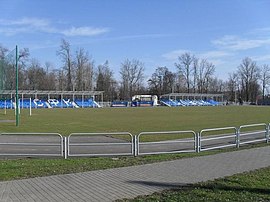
(134, 120)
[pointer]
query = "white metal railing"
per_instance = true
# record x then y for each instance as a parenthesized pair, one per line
(251, 136)
(31, 144)
(225, 137)
(101, 147)
(180, 145)
(124, 143)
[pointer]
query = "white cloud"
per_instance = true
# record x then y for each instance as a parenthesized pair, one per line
(39, 25)
(214, 54)
(24, 25)
(34, 22)
(210, 55)
(141, 36)
(84, 31)
(263, 58)
(235, 43)
(227, 51)
(173, 55)
(230, 45)
(12, 31)
(262, 32)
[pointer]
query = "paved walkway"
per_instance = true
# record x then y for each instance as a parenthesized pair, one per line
(129, 182)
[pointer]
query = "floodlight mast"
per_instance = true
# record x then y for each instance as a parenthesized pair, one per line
(17, 87)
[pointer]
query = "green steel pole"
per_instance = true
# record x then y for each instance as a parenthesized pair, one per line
(17, 84)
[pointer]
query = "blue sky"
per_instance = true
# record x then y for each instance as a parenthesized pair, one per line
(154, 31)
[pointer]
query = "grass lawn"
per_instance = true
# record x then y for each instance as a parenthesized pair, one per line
(31, 167)
(134, 120)
(249, 187)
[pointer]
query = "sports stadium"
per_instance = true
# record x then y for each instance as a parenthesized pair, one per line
(134, 101)
(79, 123)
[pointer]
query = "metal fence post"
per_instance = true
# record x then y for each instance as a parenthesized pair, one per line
(267, 133)
(237, 138)
(135, 146)
(198, 142)
(65, 148)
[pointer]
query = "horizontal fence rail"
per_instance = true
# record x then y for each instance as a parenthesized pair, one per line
(253, 133)
(31, 144)
(124, 143)
(108, 145)
(222, 140)
(176, 145)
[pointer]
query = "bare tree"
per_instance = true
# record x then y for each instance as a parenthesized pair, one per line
(23, 58)
(265, 78)
(232, 86)
(216, 85)
(205, 72)
(3, 52)
(3, 69)
(195, 73)
(210, 69)
(8, 74)
(105, 82)
(185, 67)
(81, 59)
(8, 70)
(88, 76)
(162, 81)
(249, 74)
(65, 54)
(83, 70)
(132, 76)
(36, 76)
(169, 81)
(156, 81)
(51, 76)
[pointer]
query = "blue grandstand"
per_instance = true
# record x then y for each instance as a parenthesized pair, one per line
(182, 103)
(86, 99)
(191, 99)
(51, 103)
(51, 99)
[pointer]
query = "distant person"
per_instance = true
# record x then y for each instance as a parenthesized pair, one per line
(240, 101)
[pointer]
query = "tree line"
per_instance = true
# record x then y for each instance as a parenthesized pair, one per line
(79, 73)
